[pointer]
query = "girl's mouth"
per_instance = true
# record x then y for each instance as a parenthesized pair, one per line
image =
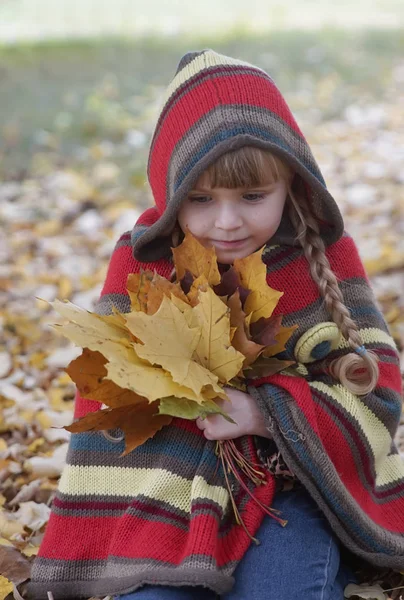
(232, 244)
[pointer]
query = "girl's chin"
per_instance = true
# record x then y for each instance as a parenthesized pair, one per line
(227, 258)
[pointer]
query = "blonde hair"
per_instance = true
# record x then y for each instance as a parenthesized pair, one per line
(249, 166)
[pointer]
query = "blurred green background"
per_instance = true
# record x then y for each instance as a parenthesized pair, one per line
(82, 79)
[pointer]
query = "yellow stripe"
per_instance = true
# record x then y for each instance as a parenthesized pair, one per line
(371, 335)
(158, 484)
(327, 331)
(393, 470)
(201, 62)
(388, 469)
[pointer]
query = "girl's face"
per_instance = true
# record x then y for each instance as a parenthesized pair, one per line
(237, 222)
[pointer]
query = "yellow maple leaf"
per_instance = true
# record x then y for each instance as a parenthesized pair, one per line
(148, 381)
(262, 299)
(214, 349)
(138, 285)
(88, 337)
(6, 586)
(146, 291)
(97, 327)
(172, 354)
(199, 284)
(89, 374)
(170, 342)
(193, 257)
(160, 287)
(125, 367)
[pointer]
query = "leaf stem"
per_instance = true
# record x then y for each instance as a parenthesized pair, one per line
(229, 453)
(269, 510)
(239, 520)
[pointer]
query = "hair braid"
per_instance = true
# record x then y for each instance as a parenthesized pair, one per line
(345, 368)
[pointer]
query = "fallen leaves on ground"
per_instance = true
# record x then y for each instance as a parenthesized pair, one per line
(58, 226)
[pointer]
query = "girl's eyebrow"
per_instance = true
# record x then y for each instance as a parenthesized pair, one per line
(251, 187)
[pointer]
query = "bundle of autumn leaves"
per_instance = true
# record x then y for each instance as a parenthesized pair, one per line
(179, 345)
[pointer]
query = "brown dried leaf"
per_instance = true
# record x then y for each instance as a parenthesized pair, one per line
(88, 373)
(160, 286)
(249, 348)
(14, 565)
(253, 276)
(193, 257)
(138, 285)
(264, 367)
(264, 330)
(139, 422)
(281, 337)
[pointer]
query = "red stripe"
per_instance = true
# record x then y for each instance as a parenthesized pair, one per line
(363, 452)
(338, 449)
(75, 538)
(131, 536)
(82, 406)
(198, 79)
(295, 276)
(122, 264)
(196, 103)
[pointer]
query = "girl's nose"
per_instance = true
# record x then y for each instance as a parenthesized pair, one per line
(228, 217)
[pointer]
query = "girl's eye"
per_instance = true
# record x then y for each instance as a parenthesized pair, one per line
(250, 197)
(254, 197)
(201, 199)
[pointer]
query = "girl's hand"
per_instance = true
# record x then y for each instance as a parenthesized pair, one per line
(243, 409)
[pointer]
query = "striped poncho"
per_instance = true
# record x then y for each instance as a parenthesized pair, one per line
(162, 514)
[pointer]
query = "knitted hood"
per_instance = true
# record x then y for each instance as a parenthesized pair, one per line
(213, 105)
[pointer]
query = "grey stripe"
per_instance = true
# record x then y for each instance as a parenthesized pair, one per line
(122, 578)
(357, 294)
(175, 517)
(270, 257)
(107, 301)
(231, 115)
(195, 82)
(289, 254)
(393, 555)
(187, 59)
(135, 460)
(123, 242)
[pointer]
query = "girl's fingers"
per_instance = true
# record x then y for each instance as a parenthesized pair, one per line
(199, 423)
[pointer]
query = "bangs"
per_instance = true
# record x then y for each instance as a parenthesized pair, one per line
(246, 167)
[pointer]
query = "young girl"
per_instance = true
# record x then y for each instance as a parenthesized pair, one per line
(229, 162)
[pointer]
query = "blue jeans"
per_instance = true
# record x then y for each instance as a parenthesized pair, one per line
(301, 560)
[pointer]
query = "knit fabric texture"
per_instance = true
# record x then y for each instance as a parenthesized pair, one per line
(213, 105)
(162, 515)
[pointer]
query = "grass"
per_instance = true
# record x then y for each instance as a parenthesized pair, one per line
(85, 91)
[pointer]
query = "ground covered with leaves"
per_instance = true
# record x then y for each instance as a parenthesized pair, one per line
(72, 179)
